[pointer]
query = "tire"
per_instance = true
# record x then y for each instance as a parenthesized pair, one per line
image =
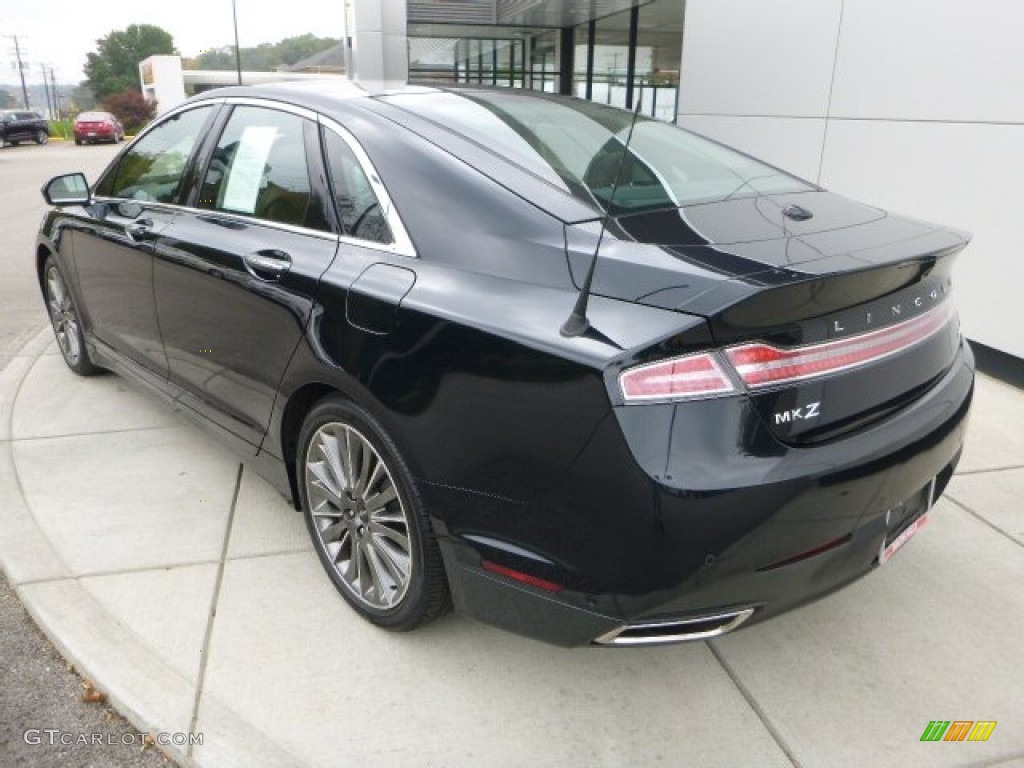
(78, 142)
(42, 137)
(64, 318)
(384, 561)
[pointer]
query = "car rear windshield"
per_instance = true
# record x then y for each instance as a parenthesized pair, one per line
(579, 146)
(92, 117)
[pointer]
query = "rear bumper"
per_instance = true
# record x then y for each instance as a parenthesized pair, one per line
(95, 135)
(713, 530)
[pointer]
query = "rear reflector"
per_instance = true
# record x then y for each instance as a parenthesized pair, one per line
(676, 379)
(524, 578)
(764, 365)
(821, 549)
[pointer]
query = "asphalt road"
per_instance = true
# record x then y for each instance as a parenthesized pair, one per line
(38, 690)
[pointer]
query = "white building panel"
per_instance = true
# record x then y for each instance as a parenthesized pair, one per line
(758, 57)
(930, 60)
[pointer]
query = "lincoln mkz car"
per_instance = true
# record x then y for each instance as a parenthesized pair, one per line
(587, 376)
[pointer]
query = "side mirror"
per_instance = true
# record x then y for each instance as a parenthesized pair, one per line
(69, 189)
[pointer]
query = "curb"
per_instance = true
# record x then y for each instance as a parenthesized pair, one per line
(151, 695)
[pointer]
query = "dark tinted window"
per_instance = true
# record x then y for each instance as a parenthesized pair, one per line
(577, 145)
(260, 169)
(360, 210)
(153, 168)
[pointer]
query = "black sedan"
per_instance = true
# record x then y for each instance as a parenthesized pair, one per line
(589, 377)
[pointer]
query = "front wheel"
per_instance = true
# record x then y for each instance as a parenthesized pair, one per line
(64, 318)
(366, 519)
(42, 137)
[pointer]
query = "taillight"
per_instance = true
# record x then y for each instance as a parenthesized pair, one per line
(680, 378)
(762, 365)
(765, 365)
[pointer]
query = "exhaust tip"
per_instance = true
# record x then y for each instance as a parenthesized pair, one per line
(662, 632)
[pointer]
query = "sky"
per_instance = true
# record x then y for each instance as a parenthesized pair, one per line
(60, 33)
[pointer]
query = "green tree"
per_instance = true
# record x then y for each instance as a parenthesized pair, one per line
(114, 66)
(222, 58)
(266, 57)
(82, 98)
(292, 50)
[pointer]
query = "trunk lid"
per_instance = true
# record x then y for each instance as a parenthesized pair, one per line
(844, 279)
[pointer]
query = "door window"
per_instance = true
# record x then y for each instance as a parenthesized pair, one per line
(153, 168)
(260, 169)
(358, 207)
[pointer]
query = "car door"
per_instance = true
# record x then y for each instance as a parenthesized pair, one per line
(113, 247)
(22, 123)
(27, 126)
(236, 274)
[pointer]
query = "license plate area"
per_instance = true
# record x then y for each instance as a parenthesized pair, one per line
(906, 520)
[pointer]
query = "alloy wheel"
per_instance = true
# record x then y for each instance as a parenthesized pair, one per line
(359, 519)
(63, 316)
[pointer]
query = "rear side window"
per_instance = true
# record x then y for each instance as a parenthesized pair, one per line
(361, 213)
(153, 168)
(260, 169)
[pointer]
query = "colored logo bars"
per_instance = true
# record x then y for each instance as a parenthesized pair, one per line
(958, 730)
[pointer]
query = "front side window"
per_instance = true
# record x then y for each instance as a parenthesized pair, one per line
(260, 169)
(361, 213)
(153, 168)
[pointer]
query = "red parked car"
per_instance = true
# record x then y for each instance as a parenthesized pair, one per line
(98, 126)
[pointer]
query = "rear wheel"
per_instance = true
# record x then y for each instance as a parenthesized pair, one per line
(42, 137)
(65, 321)
(78, 142)
(366, 518)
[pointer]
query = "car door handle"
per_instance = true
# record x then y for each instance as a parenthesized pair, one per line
(267, 264)
(141, 229)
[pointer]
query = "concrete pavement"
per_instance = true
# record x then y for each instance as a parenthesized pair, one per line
(177, 579)
(37, 687)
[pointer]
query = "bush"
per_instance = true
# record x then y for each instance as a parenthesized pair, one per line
(61, 128)
(132, 108)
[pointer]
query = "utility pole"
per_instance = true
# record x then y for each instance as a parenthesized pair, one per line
(238, 51)
(56, 96)
(46, 90)
(21, 69)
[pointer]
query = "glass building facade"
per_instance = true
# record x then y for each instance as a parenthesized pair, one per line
(614, 52)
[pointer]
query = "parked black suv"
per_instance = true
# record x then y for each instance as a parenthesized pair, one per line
(17, 126)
